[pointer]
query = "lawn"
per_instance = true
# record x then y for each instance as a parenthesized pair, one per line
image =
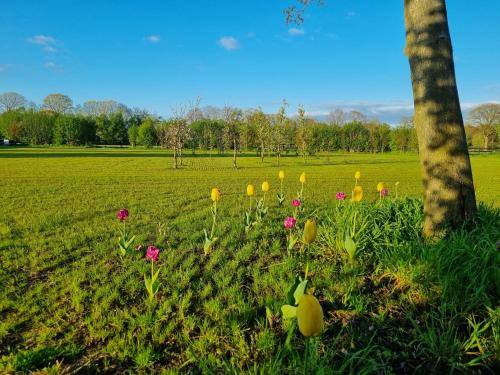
(70, 303)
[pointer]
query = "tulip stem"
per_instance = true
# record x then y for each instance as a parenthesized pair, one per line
(214, 216)
(306, 355)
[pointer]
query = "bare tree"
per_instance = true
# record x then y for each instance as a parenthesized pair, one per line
(485, 118)
(263, 130)
(11, 100)
(279, 131)
(357, 116)
(232, 129)
(337, 117)
(302, 136)
(58, 103)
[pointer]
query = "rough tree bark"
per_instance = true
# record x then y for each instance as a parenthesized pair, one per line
(449, 198)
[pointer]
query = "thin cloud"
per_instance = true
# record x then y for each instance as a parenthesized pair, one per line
(229, 43)
(350, 14)
(51, 65)
(153, 39)
(251, 35)
(293, 31)
(46, 42)
(49, 49)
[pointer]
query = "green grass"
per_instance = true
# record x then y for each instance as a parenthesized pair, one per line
(68, 302)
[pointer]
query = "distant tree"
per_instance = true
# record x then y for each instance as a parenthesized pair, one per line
(262, 127)
(303, 134)
(37, 127)
(96, 108)
(147, 133)
(486, 118)
(58, 103)
(11, 100)
(384, 137)
(337, 117)
(174, 133)
(104, 130)
(133, 135)
(357, 116)
(355, 137)
(232, 130)
(67, 130)
(278, 131)
(10, 124)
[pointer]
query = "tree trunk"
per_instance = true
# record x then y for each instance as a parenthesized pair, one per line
(175, 158)
(449, 198)
(234, 154)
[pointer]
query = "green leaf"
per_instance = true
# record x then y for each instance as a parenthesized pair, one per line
(299, 292)
(350, 247)
(289, 296)
(289, 312)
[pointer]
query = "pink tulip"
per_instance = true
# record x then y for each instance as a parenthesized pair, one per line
(384, 192)
(340, 196)
(152, 253)
(122, 214)
(296, 203)
(290, 222)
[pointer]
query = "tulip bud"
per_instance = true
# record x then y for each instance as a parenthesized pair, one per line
(250, 190)
(302, 178)
(357, 194)
(357, 175)
(309, 316)
(215, 194)
(265, 186)
(310, 231)
(380, 186)
(281, 175)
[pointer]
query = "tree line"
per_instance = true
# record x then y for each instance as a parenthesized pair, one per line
(219, 130)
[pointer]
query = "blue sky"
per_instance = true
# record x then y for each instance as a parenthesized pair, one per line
(159, 54)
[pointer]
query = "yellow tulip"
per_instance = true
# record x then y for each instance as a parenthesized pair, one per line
(357, 175)
(310, 231)
(281, 175)
(357, 194)
(302, 178)
(250, 190)
(397, 183)
(310, 316)
(215, 194)
(265, 186)
(380, 186)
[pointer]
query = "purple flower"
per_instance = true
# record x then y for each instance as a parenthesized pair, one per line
(152, 253)
(384, 192)
(296, 203)
(290, 222)
(122, 214)
(340, 196)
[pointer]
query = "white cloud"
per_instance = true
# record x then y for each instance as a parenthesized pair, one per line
(229, 43)
(43, 40)
(51, 65)
(153, 38)
(391, 111)
(295, 31)
(49, 49)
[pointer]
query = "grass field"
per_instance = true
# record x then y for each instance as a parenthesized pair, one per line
(69, 303)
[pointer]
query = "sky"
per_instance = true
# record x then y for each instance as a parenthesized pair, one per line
(159, 55)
